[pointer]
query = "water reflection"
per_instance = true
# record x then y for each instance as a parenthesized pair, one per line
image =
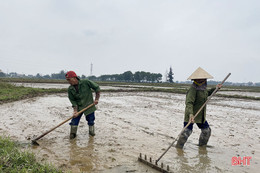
(188, 162)
(204, 160)
(82, 155)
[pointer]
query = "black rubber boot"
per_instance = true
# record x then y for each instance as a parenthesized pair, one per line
(183, 138)
(204, 136)
(73, 131)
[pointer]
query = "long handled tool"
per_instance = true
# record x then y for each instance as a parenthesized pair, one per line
(34, 141)
(156, 162)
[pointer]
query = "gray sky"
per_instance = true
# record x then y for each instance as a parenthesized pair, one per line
(47, 36)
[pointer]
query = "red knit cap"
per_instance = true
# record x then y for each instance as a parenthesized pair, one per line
(70, 74)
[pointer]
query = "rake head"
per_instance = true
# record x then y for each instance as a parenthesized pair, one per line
(153, 165)
(34, 142)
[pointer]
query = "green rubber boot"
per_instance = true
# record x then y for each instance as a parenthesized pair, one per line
(183, 138)
(92, 130)
(73, 131)
(204, 136)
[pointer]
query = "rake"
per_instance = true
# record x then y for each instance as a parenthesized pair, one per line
(34, 141)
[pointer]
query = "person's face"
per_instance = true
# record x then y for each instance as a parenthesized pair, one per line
(72, 81)
(200, 80)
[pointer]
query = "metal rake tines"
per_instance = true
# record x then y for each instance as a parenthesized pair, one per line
(153, 165)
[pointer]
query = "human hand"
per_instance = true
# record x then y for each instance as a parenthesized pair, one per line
(75, 114)
(96, 102)
(191, 118)
(218, 86)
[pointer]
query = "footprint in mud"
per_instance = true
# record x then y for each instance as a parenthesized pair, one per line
(28, 138)
(235, 145)
(62, 166)
(46, 155)
(112, 159)
(112, 151)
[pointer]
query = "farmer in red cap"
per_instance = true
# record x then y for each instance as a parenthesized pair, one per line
(80, 96)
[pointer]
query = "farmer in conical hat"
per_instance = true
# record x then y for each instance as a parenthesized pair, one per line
(80, 96)
(196, 96)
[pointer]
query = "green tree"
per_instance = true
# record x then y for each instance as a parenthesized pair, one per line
(2, 74)
(46, 76)
(137, 76)
(83, 76)
(60, 75)
(170, 75)
(128, 76)
(92, 77)
(156, 77)
(38, 75)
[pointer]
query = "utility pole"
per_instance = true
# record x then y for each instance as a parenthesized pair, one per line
(166, 76)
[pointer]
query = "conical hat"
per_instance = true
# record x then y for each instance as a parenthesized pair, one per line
(200, 74)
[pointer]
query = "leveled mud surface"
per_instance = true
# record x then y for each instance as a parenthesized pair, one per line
(131, 123)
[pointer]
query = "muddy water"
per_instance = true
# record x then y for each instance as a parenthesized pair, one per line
(131, 123)
(249, 94)
(41, 85)
(66, 85)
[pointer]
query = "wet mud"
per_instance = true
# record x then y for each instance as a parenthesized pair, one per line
(131, 123)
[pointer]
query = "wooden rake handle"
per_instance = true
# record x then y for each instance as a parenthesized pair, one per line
(39, 137)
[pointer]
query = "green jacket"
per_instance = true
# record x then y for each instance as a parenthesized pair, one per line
(194, 100)
(84, 97)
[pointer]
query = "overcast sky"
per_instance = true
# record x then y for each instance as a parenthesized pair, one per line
(47, 36)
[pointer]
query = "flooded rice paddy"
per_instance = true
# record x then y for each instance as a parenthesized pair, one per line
(130, 123)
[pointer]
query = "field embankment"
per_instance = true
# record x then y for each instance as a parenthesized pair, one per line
(12, 159)
(15, 93)
(9, 93)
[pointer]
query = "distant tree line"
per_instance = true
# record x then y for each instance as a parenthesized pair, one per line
(60, 75)
(128, 76)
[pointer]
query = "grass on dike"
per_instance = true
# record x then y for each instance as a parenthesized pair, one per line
(13, 160)
(10, 92)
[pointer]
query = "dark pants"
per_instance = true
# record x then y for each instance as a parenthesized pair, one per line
(200, 125)
(90, 118)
